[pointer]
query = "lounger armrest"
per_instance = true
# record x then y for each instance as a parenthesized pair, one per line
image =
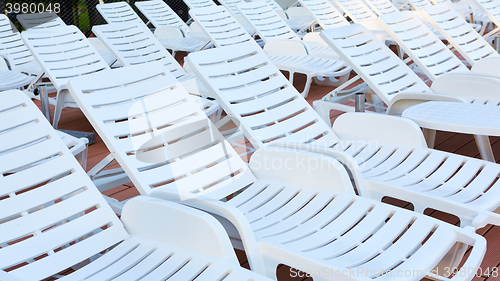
(467, 85)
(172, 223)
(168, 32)
(295, 166)
(475, 218)
(286, 47)
(229, 214)
(404, 100)
(487, 66)
(378, 128)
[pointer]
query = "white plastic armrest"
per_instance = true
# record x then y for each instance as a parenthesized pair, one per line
(231, 214)
(345, 159)
(175, 224)
(4, 276)
(286, 47)
(168, 32)
(300, 167)
(379, 128)
(404, 100)
(487, 66)
(314, 37)
(468, 85)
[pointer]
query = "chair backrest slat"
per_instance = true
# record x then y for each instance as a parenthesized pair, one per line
(268, 24)
(325, 14)
(64, 53)
(52, 217)
(133, 44)
(470, 44)
(425, 48)
(370, 58)
(250, 87)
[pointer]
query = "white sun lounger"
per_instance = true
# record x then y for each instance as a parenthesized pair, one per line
(288, 55)
(54, 223)
(307, 219)
(394, 162)
(171, 38)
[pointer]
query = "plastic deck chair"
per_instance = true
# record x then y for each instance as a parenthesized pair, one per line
(466, 8)
(297, 22)
(290, 56)
(160, 15)
(471, 45)
(40, 21)
(394, 162)
(171, 38)
(54, 220)
(325, 14)
(63, 52)
(306, 219)
(133, 44)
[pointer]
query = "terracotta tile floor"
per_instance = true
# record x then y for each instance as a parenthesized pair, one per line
(73, 119)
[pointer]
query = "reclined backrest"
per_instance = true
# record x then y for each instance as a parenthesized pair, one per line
(64, 53)
(158, 134)
(382, 7)
(40, 20)
(253, 89)
(325, 14)
(133, 44)
(470, 44)
(118, 12)
(194, 4)
(52, 217)
(268, 24)
(12, 44)
(425, 48)
(371, 59)
(160, 14)
(419, 4)
(357, 10)
(221, 26)
(491, 8)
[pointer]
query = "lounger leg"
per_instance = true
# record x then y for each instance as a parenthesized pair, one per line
(307, 86)
(430, 137)
(484, 146)
(44, 100)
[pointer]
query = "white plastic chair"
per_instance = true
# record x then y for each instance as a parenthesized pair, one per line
(40, 21)
(55, 224)
(160, 15)
(288, 55)
(171, 38)
(63, 53)
(471, 45)
(305, 219)
(390, 151)
(297, 22)
(133, 44)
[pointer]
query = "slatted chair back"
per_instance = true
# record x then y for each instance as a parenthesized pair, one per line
(158, 134)
(266, 21)
(325, 14)
(43, 20)
(51, 215)
(370, 58)
(423, 46)
(221, 26)
(491, 8)
(419, 4)
(160, 14)
(64, 53)
(382, 7)
(357, 10)
(134, 44)
(118, 12)
(251, 87)
(195, 4)
(272, 4)
(231, 5)
(470, 44)
(12, 45)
